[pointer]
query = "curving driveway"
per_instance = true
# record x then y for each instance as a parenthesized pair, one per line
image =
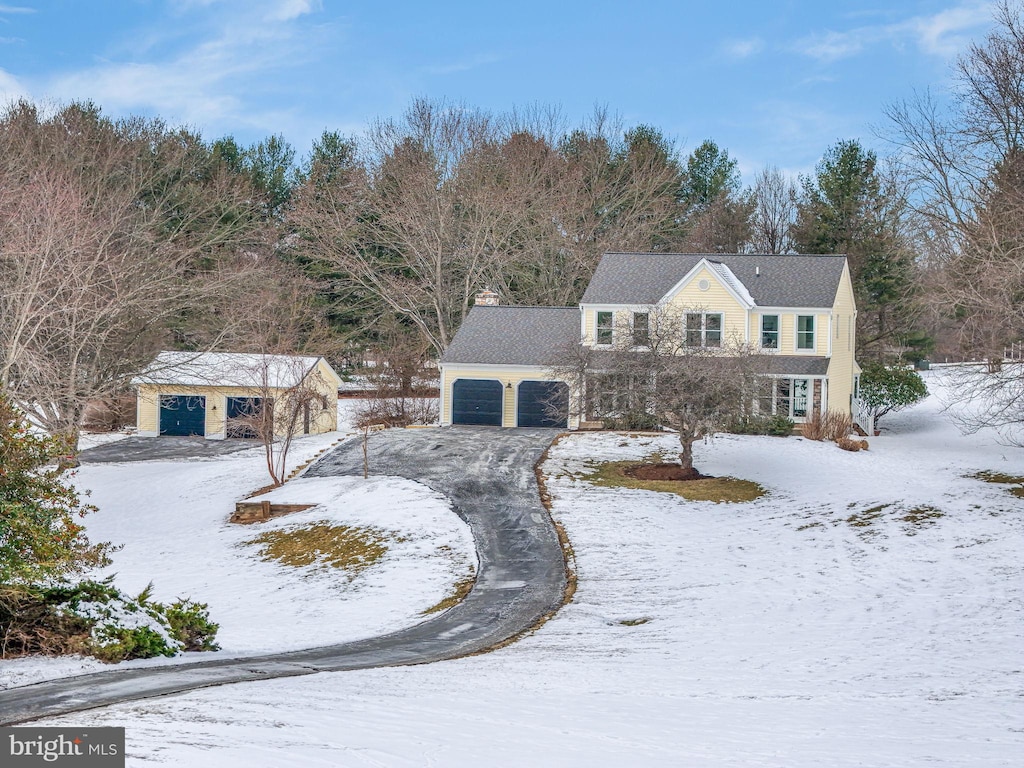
(487, 474)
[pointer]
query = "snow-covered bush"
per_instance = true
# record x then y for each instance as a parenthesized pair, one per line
(96, 619)
(138, 628)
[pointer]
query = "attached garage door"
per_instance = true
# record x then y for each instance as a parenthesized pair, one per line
(242, 415)
(543, 404)
(182, 415)
(477, 401)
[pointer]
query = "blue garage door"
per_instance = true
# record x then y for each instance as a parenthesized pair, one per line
(477, 401)
(543, 404)
(243, 416)
(182, 415)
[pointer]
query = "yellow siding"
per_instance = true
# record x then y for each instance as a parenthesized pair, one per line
(216, 404)
(589, 323)
(505, 376)
(148, 409)
(841, 367)
(787, 332)
(715, 299)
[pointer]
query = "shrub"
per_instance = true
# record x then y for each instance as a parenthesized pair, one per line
(831, 425)
(190, 624)
(641, 422)
(777, 426)
(95, 618)
(889, 388)
(397, 411)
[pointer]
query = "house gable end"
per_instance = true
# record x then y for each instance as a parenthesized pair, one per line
(691, 289)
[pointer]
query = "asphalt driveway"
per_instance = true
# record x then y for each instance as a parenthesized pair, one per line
(162, 449)
(487, 474)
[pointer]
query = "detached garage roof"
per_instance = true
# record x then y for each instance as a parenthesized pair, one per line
(514, 335)
(229, 369)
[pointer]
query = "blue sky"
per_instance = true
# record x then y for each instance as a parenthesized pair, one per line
(772, 82)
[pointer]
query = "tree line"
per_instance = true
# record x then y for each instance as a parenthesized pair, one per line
(119, 237)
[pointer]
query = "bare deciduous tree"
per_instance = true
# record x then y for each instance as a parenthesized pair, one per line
(965, 167)
(287, 394)
(774, 212)
(449, 200)
(676, 376)
(109, 234)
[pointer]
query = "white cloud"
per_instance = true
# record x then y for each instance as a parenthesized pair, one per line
(460, 66)
(832, 46)
(11, 9)
(947, 32)
(743, 49)
(944, 34)
(10, 88)
(211, 84)
(286, 10)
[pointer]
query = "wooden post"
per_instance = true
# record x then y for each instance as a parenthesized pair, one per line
(366, 454)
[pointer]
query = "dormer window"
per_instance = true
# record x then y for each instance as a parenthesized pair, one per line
(605, 327)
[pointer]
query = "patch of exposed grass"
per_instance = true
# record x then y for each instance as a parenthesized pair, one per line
(612, 474)
(458, 594)
(808, 526)
(922, 516)
(1001, 478)
(350, 548)
(633, 622)
(867, 517)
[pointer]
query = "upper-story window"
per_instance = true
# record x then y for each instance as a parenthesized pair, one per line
(805, 331)
(641, 329)
(769, 331)
(605, 327)
(703, 329)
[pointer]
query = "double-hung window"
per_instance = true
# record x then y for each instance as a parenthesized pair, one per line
(641, 329)
(605, 328)
(703, 329)
(805, 332)
(769, 331)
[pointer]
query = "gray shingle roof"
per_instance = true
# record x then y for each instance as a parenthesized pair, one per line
(796, 365)
(784, 281)
(514, 335)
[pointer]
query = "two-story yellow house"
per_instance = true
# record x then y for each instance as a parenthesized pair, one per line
(798, 310)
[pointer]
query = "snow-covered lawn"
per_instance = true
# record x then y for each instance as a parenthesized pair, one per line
(866, 612)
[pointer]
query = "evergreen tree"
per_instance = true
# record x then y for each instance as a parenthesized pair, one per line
(39, 537)
(849, 207)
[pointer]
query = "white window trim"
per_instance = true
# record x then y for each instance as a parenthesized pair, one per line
(704, 329)
(778, 332)
(597, 328)
(632, 328)
(813, 350)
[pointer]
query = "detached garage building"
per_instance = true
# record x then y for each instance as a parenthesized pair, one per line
(217, 394)
(496, 372)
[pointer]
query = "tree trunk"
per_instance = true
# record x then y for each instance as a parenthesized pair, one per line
(686, 455)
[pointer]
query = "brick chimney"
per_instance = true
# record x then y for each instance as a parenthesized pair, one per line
(486, 298)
